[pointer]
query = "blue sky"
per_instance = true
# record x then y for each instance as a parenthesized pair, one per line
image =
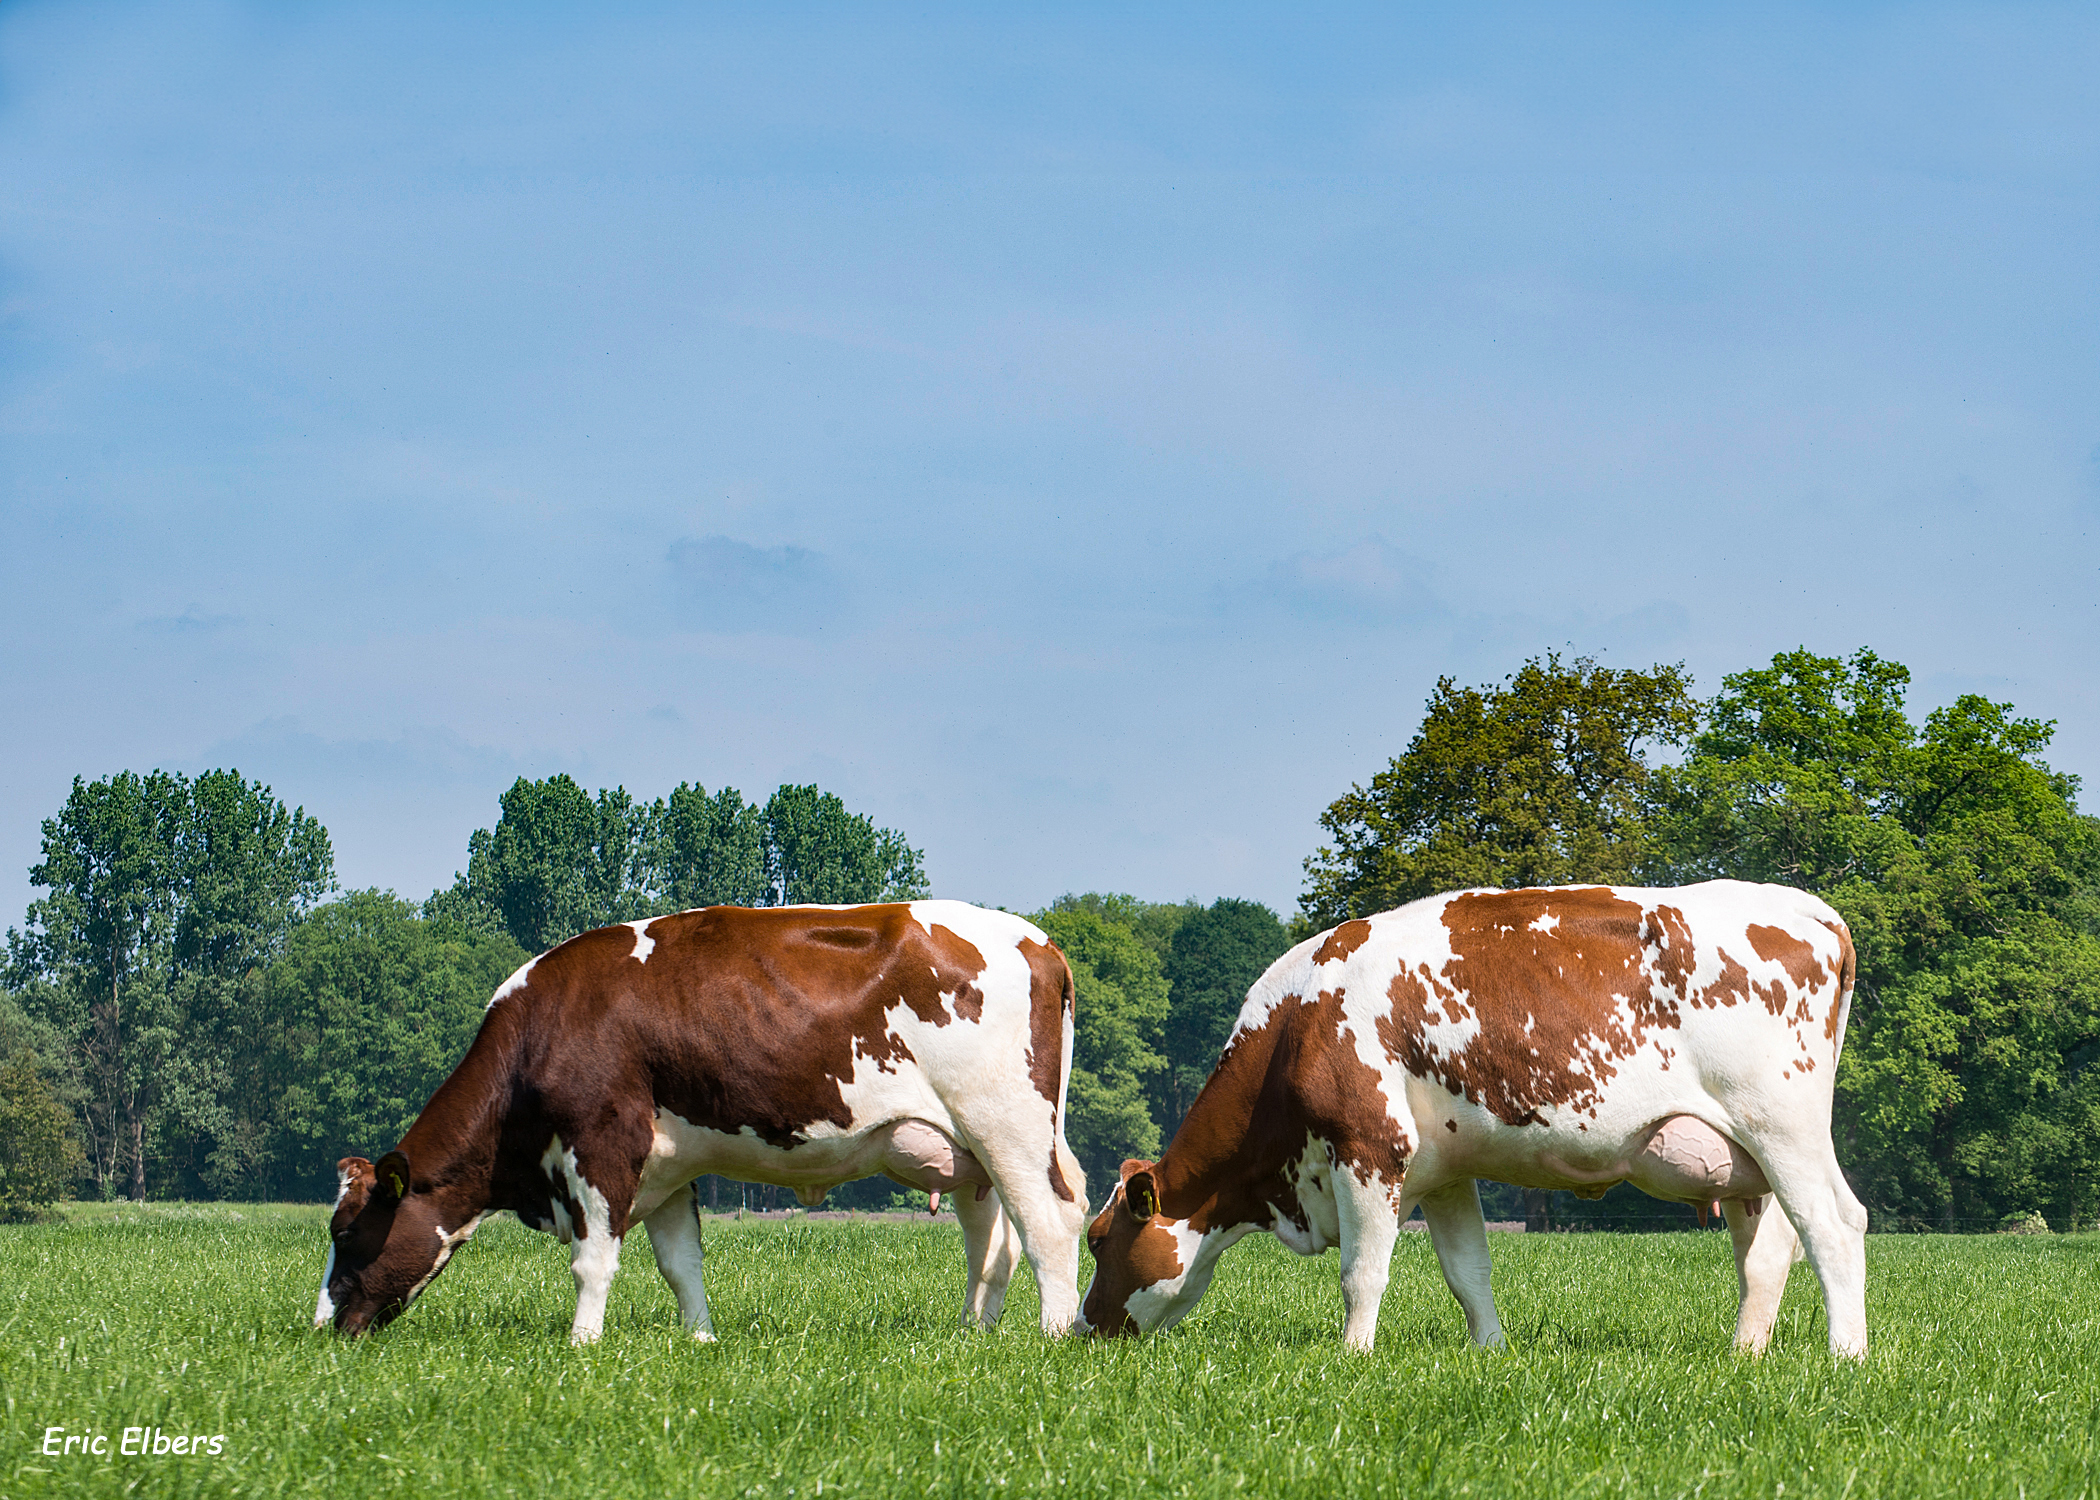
(1080, 441)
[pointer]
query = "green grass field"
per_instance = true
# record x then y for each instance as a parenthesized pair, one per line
(839, 1371)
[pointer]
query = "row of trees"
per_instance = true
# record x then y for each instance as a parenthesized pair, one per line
(560, 861)
(200, 1021)
(1967, 1092)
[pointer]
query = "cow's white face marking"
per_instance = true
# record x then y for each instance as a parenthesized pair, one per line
(644, 945)
(324, 1307)
(513, 984)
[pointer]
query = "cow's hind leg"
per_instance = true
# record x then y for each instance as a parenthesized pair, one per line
(1833, 1227)
(1765, 1247)
(1370, 1228)
(1045, 1197)
(1458, 1232)
(674, 1234)
(993, 1250)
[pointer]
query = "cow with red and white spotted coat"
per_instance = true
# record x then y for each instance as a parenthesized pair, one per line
(804, 1046)
(1685, 1041)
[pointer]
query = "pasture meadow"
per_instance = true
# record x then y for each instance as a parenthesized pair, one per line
(840, 1371)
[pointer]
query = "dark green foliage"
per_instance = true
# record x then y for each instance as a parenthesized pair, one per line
(1971, 884)
(1120, 1008)
(1216, 954)
(39, 1158)
(368, 1010)
(817, 851)
(1542, 781)
(164, 898)
(1152, 923)
(713, 851)
(560, 862)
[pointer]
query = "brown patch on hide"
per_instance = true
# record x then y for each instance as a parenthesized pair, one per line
(1796, 955)
(1669, 939)
(1560, 983)
(1342, 942)
(1731, 987)
(1049, 1002)
(959, 960)
(1848, 970)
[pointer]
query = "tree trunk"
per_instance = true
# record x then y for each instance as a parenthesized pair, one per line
(1537, 1218)
(138, 1156)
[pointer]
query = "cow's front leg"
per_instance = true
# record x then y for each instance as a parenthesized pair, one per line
(674, 1234)
(1370, 1228)
(1459, 1234)
(594, 1259)
(992, 1249)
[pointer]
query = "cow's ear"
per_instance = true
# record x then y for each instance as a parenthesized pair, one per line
(1135, 1164)
(1141, 1196)
(393, 1175)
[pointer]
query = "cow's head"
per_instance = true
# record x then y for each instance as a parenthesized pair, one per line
(1149, 1271)
(385, 1245)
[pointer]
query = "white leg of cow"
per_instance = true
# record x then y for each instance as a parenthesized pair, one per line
(1833, 1229)
(992, 1249)
(1049, 1224)
(1458, 1232)
(1369, 1230)
(1765, 1246)
(593, 1260)
(674, 1234)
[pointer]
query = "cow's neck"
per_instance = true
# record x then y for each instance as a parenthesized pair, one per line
(452, 1147)
(1221, 1169)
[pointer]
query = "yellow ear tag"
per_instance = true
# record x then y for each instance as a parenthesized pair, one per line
(399, 1190)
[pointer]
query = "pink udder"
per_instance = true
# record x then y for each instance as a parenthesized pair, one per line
(1688, 1161)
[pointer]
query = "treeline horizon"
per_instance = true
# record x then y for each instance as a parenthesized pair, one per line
(193, 1008)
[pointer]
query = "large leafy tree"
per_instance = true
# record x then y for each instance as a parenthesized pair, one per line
(1120, 1007)
(1972, 887)
(1542, 780)
(163, 898)
(39, 1158)
(818, 851)
(712, 850)
(560, 861)
(365, 1013)
(1216, 954)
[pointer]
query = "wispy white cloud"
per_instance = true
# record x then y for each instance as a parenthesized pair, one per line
(1370, 582)
(194, 620)
(733, 586)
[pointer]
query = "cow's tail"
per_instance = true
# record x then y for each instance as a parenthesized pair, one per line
(1066, 1165)
(1848, 974)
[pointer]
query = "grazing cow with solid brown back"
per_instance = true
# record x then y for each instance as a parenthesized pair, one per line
(802, 1046)
(1685, 1041)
